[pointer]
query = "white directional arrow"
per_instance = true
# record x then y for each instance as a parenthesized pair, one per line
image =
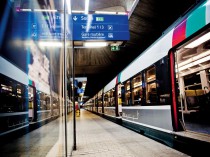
(75, 18)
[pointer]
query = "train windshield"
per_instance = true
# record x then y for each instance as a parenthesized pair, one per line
(192, 68)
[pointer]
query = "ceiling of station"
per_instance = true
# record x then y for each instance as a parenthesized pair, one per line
(147, 21)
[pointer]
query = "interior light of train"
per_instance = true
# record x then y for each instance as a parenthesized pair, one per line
(204, 54)
(95, 44)
(50, 44)
(45, 10)
(199, 41)
(7, 88)
(86, 6)
(195, 63)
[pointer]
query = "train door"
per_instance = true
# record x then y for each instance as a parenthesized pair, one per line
(192, 74)
(119, 100)
(31, 107)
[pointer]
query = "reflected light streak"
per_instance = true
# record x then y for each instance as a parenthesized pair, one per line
(50, 44)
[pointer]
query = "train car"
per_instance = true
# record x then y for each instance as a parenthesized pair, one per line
(14, 99)
(164, 92)
(89, 105)
(100, 102)
(22, 105)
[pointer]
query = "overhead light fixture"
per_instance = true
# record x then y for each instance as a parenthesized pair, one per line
(122, 13)
(68, 6)
(77, 11)
(199, 41)
(105, 12)
(45, 10)
(50, 44)
(95, 44)
(86, 6)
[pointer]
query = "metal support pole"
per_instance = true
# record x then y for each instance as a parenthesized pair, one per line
(74, 110)
(65, 82)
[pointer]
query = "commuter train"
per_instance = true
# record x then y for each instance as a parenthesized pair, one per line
(23, 105)
(165, 92)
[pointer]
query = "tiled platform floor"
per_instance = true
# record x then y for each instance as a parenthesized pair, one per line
(98, 137)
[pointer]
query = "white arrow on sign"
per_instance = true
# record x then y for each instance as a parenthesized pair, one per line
(75, 18)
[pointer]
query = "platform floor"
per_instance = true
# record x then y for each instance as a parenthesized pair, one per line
(98, 137)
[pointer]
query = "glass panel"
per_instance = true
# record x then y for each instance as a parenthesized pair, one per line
(35, 67)
(127, 93)
(151, 91)
(162, 81)
(137, 95)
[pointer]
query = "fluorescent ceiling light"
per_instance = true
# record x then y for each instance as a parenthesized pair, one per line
(68, 6)
(86, 6)
(50, 44)
(122, 13)
(199, 41)
(95, 44)
(77, 11)
(105, 12)
(45, 10)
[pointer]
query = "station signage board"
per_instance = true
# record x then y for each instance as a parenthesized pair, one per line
(40, 26)
(100, 27)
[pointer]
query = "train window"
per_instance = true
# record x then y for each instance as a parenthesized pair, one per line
(162, 82)
(127, 94)
(8, 97)
(151, 91)
(137, 94)
(47, 100)
(20, 98)
(112, 97)
(106, 99)
(100, 101)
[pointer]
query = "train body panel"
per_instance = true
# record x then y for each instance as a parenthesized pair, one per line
(151, 116)
(109, 111)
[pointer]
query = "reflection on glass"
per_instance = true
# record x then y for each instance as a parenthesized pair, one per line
(137, 93)
(151, 91)
(32, 92)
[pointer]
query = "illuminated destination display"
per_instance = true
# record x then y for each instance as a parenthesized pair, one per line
(100, 27)
(50, 26)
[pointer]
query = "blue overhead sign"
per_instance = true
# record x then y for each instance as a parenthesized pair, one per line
(100, 27)
(40, 26)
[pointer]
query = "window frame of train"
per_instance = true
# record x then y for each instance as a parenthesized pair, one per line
(137, 90)
(160, 81)
(109, 98)
(182, 66)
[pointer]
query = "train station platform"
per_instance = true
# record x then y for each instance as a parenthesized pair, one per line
(98, 137)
